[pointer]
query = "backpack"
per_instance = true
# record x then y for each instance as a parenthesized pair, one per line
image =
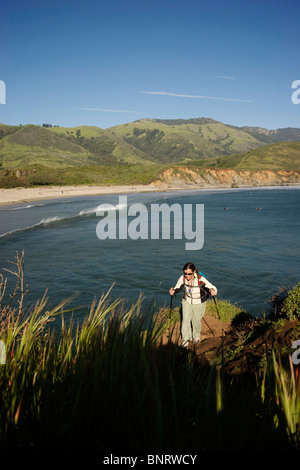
(204, 291)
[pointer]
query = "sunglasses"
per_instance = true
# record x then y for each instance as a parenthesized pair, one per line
(188, 274)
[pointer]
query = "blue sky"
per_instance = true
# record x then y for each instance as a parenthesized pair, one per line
(107, 62)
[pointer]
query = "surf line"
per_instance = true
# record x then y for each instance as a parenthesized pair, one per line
(136, 221)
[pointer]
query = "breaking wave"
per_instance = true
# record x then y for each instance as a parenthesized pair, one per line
(90, 212)
(35, 204)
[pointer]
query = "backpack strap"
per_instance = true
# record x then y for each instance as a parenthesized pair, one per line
(199, 278)
(204, 291)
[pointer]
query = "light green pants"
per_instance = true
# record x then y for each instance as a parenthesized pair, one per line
(191, 320)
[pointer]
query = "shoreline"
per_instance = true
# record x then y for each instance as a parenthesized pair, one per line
(21, 195)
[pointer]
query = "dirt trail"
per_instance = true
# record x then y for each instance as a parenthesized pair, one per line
(244, 347)
(213, 332)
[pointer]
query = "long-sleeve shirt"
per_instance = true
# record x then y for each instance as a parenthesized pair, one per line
(192, 294)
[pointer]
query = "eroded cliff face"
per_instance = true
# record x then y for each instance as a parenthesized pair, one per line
(184, 177)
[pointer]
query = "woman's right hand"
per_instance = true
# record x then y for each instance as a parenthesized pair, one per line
(172, 291)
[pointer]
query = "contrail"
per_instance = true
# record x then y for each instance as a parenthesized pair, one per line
(179, 95)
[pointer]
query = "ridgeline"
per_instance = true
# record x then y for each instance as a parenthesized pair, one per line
(148, 151)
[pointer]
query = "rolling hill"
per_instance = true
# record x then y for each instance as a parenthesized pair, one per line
(182, 141)
(104, 145)
(201, 141)
(58, 147)
(31, 145)
(280, 156)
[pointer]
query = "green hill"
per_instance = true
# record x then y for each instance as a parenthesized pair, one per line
(30, 145)
(103, 144)
(280, 156)
(288, 134)
(201, 141)
(182, 141)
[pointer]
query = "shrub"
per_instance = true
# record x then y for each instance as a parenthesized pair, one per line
(291, 304)
(108, 385)
(286, 303)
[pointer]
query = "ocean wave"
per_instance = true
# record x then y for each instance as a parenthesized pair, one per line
(42, 222)
(29, 206)
(89, 212)
(37, 204)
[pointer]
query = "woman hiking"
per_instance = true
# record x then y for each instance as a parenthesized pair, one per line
(196, 291)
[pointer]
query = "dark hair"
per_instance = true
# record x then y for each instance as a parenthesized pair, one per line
(192, 267)
(189, 266)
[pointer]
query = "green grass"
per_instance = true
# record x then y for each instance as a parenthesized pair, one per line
(279, 156)
(148, 142)
(104, 175)
(221, 309)
(187, 141)
(107, 383)
(61, 147)
(33, 145)
(118, 174)
(96, 139)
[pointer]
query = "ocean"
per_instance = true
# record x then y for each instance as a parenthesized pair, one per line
(250, 247)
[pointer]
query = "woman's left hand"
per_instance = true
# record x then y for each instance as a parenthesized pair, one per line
(213, 292)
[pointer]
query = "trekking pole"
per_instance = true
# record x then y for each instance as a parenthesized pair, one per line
(222, 337)
(208, 326)
(170, 308)
(170, 312)
(217, 308)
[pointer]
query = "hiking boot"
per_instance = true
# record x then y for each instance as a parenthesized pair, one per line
(196, 340)
(185, 344)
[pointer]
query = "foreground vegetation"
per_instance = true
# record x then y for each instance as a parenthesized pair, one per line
(109, 384)
(100, 175)
(187, 176)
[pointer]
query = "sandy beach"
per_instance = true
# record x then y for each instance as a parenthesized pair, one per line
(23, 195)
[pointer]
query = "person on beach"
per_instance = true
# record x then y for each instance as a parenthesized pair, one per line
(196, 291)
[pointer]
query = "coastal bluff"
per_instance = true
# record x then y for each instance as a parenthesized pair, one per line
(186, 177)
(168, 179)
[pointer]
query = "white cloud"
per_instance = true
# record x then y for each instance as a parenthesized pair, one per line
(111, 110)
(179, 95)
